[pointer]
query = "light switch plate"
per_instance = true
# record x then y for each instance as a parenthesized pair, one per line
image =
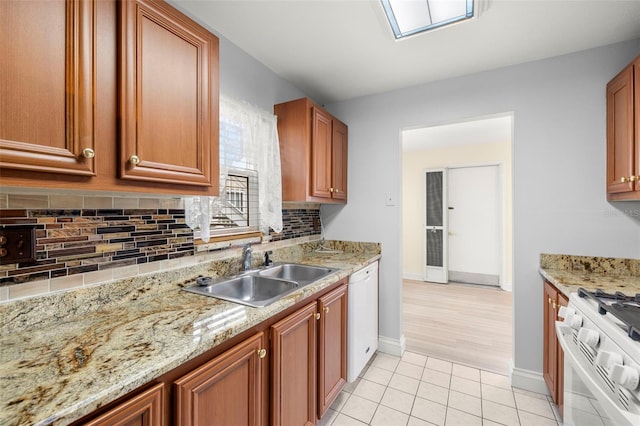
(390, 199)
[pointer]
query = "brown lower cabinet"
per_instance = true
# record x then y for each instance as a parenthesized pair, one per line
(144, 409)
(285, 371)
(309, 360)
(553, 357)
(228, 390)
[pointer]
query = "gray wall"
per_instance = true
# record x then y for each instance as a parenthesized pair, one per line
(559, 173)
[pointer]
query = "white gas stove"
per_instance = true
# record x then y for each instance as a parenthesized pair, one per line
(600, 336)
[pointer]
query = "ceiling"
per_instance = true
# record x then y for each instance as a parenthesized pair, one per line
(334, 50)
(481, 131)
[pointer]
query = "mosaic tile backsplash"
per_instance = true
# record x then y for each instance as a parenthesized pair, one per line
(77, 241)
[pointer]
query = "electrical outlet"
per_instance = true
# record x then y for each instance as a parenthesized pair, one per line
(17, 244)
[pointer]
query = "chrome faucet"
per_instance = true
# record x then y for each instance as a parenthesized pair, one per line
(246, 257)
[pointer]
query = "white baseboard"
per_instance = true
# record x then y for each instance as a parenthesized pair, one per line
(528, 380)
(413, 276)
(391, 346)
(507, 287)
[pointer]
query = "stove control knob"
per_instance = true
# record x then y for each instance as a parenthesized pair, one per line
(608, 359)
(625, 376)
(564, 310)
(573, 320)
(589, 337)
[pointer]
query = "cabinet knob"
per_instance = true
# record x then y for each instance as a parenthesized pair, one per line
(88, 153)
(326, 309)
(262, 353)
(553, 304)
(634, 178)
(624, 179)
(549, 301)
(331, 190)
(134, 159)
(318, 315)
(3, 252)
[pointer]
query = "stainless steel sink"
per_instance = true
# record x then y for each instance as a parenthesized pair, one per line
(253, 290)
(302, 274)
(262, 287)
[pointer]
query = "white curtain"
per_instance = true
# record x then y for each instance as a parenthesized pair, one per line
(259, 150)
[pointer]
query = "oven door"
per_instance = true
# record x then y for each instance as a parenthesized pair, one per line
(586, 402)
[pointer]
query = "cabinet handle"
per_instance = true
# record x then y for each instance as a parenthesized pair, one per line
(317, 315)
(549, 301)
(554, 305)
(624, 179)
(331, 190)
(262, 353)
(336, 190)
(326, 309)
(634, 178)
(134, 159)
(88, 153)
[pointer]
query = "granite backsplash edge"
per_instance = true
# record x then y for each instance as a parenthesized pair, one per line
(591, 264)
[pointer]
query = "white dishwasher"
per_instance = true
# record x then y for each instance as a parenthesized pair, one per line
(363, 319)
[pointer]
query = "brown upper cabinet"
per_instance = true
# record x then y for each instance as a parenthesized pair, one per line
(168, 91)
(313, 153)
(623, 134)
(47, 86)
(108, 96)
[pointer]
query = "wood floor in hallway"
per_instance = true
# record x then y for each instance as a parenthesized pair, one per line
(464, 323)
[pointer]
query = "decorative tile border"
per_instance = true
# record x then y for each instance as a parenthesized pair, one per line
(298, 223)
(86, 239)
(77, 241)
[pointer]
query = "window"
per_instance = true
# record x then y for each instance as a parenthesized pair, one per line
(237, 210)
(410, 17)
(250, 178)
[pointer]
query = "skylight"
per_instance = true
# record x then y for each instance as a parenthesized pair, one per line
(409, 17)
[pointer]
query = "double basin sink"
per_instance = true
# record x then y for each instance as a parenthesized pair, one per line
(262, 287)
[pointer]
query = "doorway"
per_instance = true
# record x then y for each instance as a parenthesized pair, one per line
(473, 152)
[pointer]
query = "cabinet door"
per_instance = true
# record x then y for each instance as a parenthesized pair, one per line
(293, 372)
(47, 86)
(620, 137)
(339, 163)
(142, 410)
(332, 347)
(321, 157)
(228, 390)
(168, 96)
(550, 342)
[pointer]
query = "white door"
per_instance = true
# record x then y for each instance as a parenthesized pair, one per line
(435, 226)
(475, 224)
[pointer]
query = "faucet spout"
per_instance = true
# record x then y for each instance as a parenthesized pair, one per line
(246, 257)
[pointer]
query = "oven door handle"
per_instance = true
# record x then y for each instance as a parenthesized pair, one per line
(577, 362)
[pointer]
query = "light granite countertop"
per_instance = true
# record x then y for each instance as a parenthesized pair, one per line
(569, 273)
(64, 355)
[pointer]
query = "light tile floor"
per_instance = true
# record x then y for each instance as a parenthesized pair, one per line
(417, 390)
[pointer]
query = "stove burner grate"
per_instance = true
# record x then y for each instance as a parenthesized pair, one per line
(624, 308)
